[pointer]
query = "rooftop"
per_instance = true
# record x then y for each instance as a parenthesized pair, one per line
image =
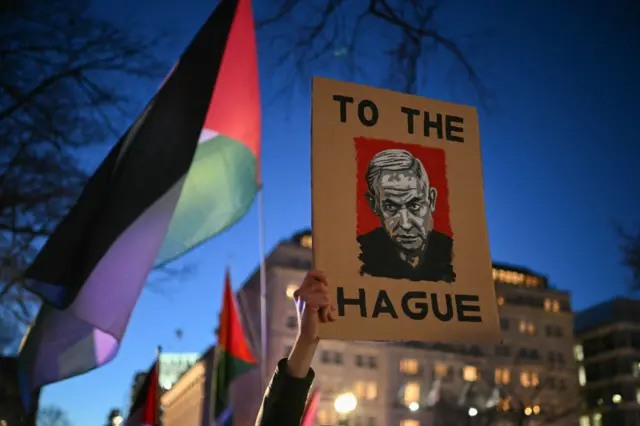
(620, 309)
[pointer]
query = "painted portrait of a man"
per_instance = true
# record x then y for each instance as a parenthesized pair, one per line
(405, 245)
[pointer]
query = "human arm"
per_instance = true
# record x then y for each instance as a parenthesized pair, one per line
(286, 396)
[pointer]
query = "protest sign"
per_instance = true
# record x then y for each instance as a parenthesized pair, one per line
(399, 222)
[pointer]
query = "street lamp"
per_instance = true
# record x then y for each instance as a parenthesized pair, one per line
(344, 404)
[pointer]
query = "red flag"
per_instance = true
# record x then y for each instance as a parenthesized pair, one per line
(144, 411)
(311, 410)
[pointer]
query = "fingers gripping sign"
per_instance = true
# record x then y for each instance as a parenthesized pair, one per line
(313, 305)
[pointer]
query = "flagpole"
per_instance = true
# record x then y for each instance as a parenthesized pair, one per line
(159, 387)
(263, 294)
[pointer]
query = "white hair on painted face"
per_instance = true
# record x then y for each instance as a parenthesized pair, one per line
(394, 160)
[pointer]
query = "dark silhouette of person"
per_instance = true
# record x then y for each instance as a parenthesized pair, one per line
(405, 246)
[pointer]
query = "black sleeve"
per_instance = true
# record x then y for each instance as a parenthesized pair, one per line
(285, 398)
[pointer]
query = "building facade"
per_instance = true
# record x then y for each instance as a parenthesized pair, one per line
(608, 352)
(530, 379)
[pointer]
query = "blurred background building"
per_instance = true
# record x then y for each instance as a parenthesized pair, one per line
(608, 352)
(12, 412)
(530, 379)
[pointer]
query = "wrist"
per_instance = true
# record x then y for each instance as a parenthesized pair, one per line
(307, 342)
(301, 356)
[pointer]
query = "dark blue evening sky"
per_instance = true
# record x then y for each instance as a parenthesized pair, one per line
(560, 153)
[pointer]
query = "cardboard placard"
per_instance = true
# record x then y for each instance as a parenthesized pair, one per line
(399, 221)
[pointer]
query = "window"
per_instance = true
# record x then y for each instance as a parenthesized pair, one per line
(504, 404)
(291, 288)
(529, 379)
(306, 241)
(582, 376)
(504, 323)
(500, 301)
(635, 368)
(359, 360)
(366, 390)
(372, 391)
(584, 421)
(578, 353)
(503, 350)
(373, 362)
(292, 322)
(502, 376)
(440, 370)
(551, 305)
(597, 419)
(324, 418)
(409, 366)
(469, 373)
(409, 422)
(411, 393)
(527, 327)
(329, 357)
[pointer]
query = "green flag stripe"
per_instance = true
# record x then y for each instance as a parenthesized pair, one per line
(219, 189)
(227, 370)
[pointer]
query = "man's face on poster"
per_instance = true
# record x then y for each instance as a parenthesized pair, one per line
(404, 202)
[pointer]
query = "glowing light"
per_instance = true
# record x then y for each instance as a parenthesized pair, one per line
(345, 403)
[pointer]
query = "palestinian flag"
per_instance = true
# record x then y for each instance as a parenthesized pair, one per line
(185, 171)
(233, 358)
(146, 407)
(311, 409)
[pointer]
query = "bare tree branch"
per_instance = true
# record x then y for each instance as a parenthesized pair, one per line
(401, 34)
(52, 416)
(630, 251)
(61, 74)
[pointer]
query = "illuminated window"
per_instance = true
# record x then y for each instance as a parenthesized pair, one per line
(470, 373)
(527, 327)
(366, 390)
(441, 370)
(578, 353)
(584, 421)
(638, 396)
(372, 391)
(536, 409)
(502, 376)
(306, 241)
(523, 326)
(532, 281)
(531, 329)
(291, 288)
(494, 272)
(555, 306)
(547, 305)
(597, 419)
(529, 379)
(411, 393)
(409, 366)
(324, 417)
(409, 422)
(616, 398)
(500, 301)
(504, 404)
(582, 376)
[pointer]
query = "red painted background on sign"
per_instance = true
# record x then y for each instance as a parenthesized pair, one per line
(434, 162)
